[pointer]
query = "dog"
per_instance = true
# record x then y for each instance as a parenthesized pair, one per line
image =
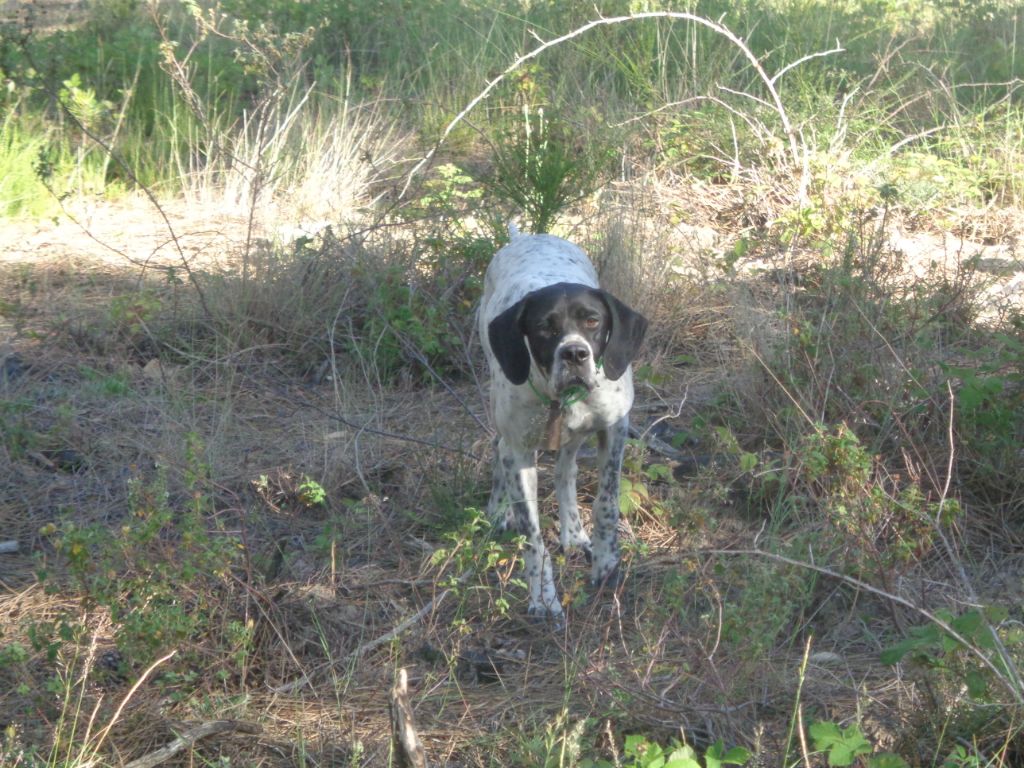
(560, 351)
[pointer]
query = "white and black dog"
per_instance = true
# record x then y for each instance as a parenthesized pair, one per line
(559, 350)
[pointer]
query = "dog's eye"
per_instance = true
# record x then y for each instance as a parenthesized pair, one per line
(547, 327)
(591, 323)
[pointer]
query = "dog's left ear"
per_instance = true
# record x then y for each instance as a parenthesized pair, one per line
(508, 343)
(624, 339)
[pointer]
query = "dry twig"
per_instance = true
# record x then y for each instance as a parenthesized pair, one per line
(190, 737)
(408, 747)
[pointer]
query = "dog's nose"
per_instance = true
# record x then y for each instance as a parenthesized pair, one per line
(575, 354)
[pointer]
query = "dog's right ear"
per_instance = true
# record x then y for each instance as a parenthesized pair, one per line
(508, 343)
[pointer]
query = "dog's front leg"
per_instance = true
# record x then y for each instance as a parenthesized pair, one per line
(611, 447)
(521, 468)
(571, 534)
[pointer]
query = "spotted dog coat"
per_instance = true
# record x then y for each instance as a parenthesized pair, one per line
(559, 350)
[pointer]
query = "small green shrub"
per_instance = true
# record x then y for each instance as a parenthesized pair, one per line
(765, 605)
(989, 387)
(844, 746)
(541, 166)
(985, 629)
(159, 575)
(17, 434)
(879, 521)
(640, 752)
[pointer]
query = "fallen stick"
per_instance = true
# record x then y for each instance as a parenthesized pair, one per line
(189, 737)
(8, 547)
(408, 747)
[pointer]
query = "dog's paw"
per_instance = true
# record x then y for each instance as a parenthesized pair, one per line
(548, 615)
(580, 541)
(583, 549)
(606, 578)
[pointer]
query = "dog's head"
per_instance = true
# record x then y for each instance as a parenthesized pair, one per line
(570, 330)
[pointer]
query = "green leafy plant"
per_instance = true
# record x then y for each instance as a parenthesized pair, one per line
(933, 647)
(990, 408)
(541, 166)
(159, 574)
(559, 745)
(640, 752)
(883, 522)
(16, 432)
(844, 746)
(637, 482)
(311, 493)
(131, 313)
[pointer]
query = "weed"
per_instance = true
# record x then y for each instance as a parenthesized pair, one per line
(284, 491)
(766, 608)
(18, 435)
(560, 745)
(107, 384)
(882, 523)
(640, 752)
(987, 630)
(131, 313)
(542, 166)
(637, 482)
(843, 746)
(148, 577)
(990, 412)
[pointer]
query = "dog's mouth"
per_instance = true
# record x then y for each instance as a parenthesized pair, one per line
(575, 385)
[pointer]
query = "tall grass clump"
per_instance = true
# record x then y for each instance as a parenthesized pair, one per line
(24, 158)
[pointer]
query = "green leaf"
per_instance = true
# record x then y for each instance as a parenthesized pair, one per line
(685, 752)
(843, 745)
(659, 472)
(895, 654)
(736, 756)
(997, 614)
(633, 744)
(887, 760)
(748, 461)
(823, 734)
(977, 685)
(682, 762)
(967, 623)
(716, 756)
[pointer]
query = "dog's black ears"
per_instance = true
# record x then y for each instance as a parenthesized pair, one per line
(508, 343)
(627, 332)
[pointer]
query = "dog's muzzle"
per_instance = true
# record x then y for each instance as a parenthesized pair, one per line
(574, 366)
